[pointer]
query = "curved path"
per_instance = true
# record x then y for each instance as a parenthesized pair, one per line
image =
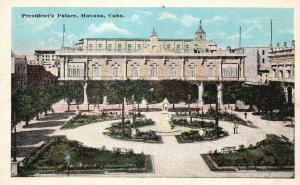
(183, 160)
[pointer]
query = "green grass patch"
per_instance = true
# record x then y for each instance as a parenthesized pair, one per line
(50, 158)
(273, 152)
(81, 120)
(211, 166)
(180, 140)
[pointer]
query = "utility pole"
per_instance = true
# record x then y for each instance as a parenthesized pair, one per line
(63, 40)
(240, 37)
(271, 44)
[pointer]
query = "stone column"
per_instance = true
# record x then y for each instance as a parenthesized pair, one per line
(285, 90)
(182, 69)
(242, 67)
(105, 100)
(62, 68)
(66, 66)
(220, 69)
(125, 69)
(200, 93)
(220, 93)
(85, 97)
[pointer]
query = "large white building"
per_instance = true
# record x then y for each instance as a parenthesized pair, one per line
(196, 60)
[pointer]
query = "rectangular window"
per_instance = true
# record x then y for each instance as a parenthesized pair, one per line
(288, 74)
(90, 47)
(263, 52)
(168, 46)
(263, 60)
(177, 48)
(139, 46)
(274, 73)
(115, 71)
(187, 48)
(119, 47)
(129, 47)
(109, 47)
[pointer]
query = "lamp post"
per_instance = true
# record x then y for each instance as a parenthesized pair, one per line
(133, 112)
(14, 150)
(202, 113)
(189, 109)
(217, 114)
(123, 116)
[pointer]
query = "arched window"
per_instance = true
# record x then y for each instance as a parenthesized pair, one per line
(153, 70)
(115, 70)
(96, 70)
(172, 70)
(210, 70)
(135, 70)
(192, 70)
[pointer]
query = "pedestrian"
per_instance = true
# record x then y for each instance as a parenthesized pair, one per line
(245, 115)
(234, 129)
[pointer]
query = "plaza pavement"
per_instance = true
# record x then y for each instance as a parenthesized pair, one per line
(170, 159)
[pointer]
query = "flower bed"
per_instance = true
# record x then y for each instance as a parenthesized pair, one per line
(274, 153)
(193, 124)
(118, 131)
(210, 115)
(49, 158)
(148, 137)
(83, 119)
(195, 136)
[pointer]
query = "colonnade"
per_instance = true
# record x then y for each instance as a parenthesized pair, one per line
(200, 93)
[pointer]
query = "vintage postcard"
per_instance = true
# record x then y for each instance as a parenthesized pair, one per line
(153, 92)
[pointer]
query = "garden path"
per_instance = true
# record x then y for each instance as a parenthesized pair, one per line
(170, 158)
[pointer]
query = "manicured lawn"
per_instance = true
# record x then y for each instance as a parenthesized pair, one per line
(81, 120)
(193, 124)
(274, 151)
(116, 131)
(194, 136)
(49, 158)
(223, 116)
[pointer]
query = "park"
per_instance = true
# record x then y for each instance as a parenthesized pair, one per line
(152, 130)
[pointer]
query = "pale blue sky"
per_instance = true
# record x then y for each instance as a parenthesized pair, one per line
(221, 25)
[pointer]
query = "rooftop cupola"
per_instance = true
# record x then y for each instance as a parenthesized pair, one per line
(200, 33)
(153, 36)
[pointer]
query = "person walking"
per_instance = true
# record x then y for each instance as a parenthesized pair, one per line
(234, 129)
(245, 115)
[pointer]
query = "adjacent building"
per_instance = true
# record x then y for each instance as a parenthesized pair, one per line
(257, 64)
(282, 70)
(18, 71)
(48, 59)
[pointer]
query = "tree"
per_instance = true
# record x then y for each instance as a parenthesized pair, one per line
(174, 90)
(96, 91)
(23, 106)
(73, 91)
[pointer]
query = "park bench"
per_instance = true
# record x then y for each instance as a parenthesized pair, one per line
(121, 150)
(228, 149)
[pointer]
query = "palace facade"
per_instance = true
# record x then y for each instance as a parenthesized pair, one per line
(196, 60)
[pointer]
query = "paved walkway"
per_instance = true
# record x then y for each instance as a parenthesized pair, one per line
(170, 158)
